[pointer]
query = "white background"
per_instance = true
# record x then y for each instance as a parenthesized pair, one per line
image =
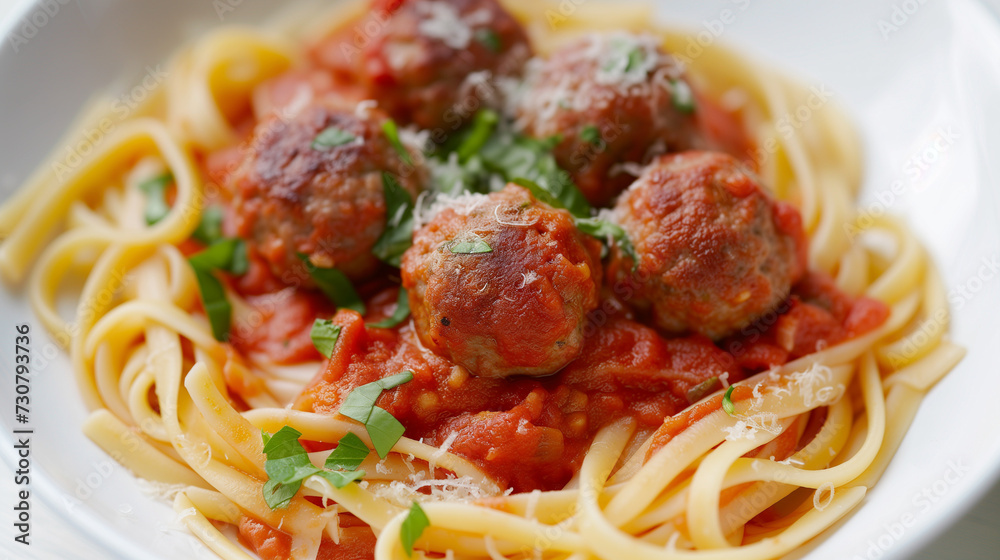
(976, 536)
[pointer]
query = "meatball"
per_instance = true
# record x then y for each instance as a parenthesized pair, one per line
(501, 284)
(716, 251)
(421, 63)
(613, 100)
(296, 192)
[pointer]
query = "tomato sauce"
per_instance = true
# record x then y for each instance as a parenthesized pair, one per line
(527, 433)
(356, 543)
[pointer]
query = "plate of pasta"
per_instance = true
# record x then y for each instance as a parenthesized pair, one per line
(489, 279)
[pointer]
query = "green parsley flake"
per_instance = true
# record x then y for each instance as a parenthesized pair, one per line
(470, 245)
(332, 137)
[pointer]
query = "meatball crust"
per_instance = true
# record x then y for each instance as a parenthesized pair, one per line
(716, 251)
(612, 100)
(292, 196)
(420, 64)
(518, 309)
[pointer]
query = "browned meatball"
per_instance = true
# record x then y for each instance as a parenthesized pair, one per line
(716, 252)
(296, 192)
(517, 307)
(419, 60)
(613, 99)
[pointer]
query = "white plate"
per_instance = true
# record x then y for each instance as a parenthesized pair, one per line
(920, 78)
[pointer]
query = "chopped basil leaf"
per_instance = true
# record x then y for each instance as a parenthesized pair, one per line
(605, 230)
(470, 245)
(396, 380)
(287, 464)
(703, 389)
(398, 234)
(213, 299)
(278, 495)
(348, 455)
(538, 192)
(155, 190)
(399, 315)
(591, 134)
(335, 285)
(332, 137)
(209, 229)
(483, 125)
(324, 336)
(383, 429)
(339, 479)
(392, 134)
(464, 162)
(490, 39)
(359, 402)
(727, 402)
(413, 526)
(227, 254)
(527, 158)
(682, 97)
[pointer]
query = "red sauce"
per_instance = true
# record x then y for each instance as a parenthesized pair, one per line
(356, 543)
(817, 315)
(527, 433)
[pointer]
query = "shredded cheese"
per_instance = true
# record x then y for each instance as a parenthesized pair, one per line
(442, 21)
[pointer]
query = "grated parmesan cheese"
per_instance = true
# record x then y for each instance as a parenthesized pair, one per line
(442, 21)
(463, 205)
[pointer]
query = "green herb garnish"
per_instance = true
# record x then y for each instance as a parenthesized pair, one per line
(482, 127)
(517, 157)
(413, 526)
(348, 455)
(591, 134)
(605, 230)
(489, 39)
(399, 315)
(228, 255)
(470, 245)
(383, 429)
(392, 134)
(332, 137)
(398, 234)
(727, 402)
(217, 307)
(335, 285)
(155, 190)
(324, 336)
(636, 56)
(682, 97)
(287, 464)
(209, 228)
